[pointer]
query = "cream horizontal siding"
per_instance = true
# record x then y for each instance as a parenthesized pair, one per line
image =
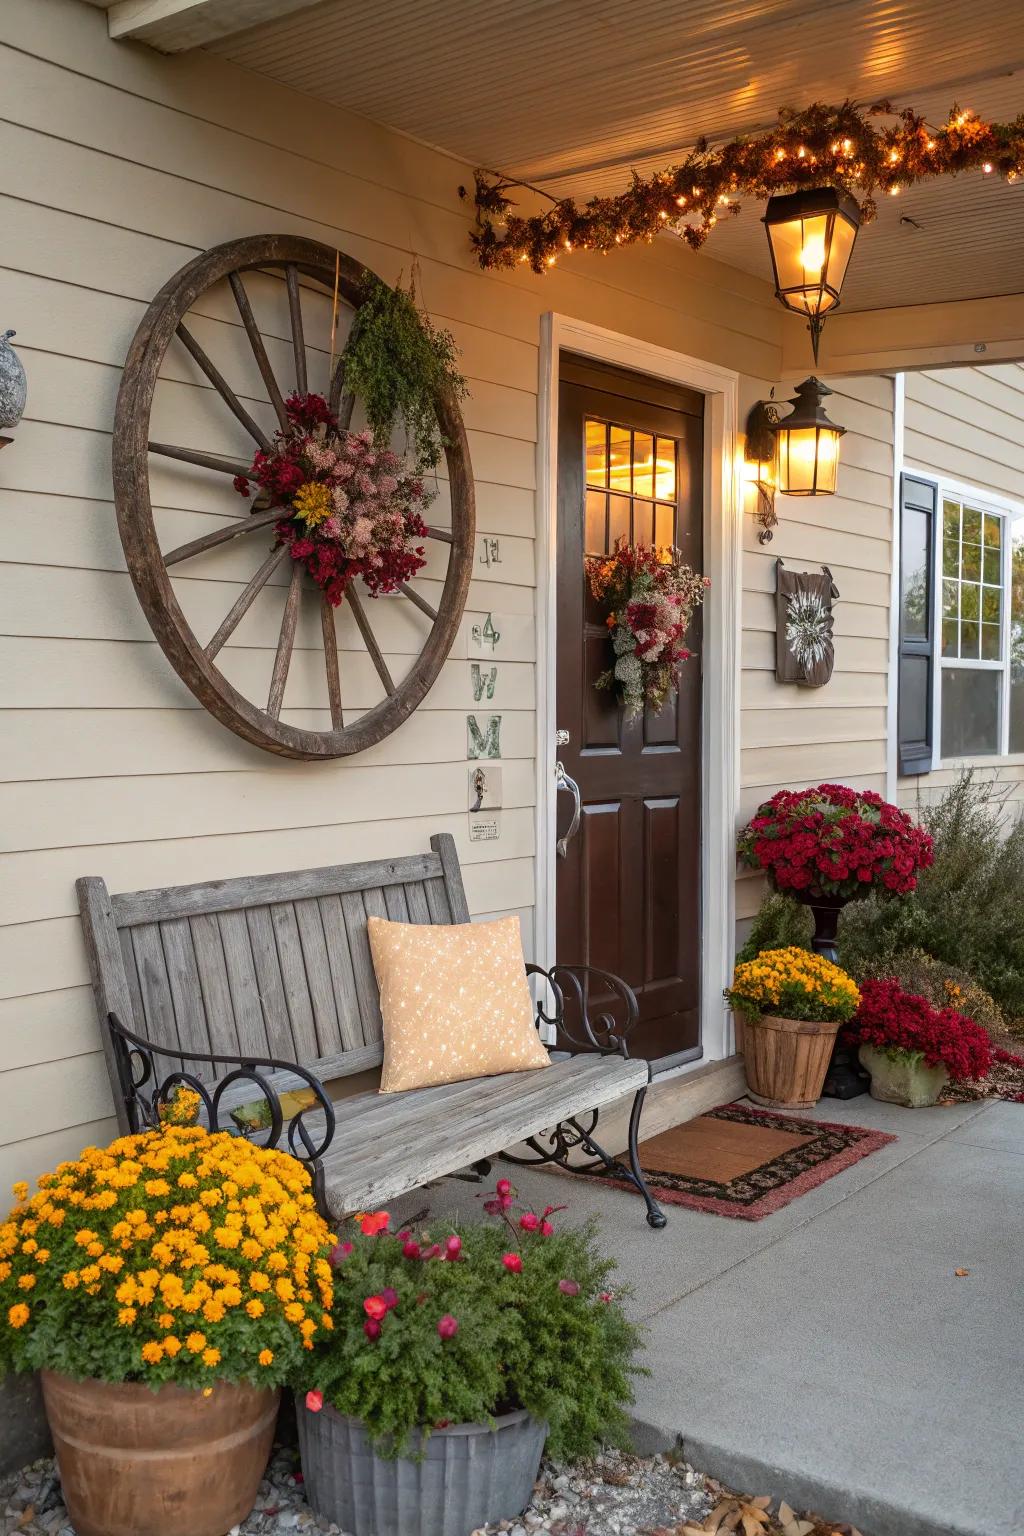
(793, 737)
(116, 167)
(967, 425)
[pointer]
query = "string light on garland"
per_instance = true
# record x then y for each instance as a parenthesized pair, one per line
(820, 145)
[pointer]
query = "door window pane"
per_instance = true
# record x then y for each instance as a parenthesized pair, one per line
(665, 470)
(664, 525)
(970, 712)
(619, 466)
(643, 522)
(643, 464)
(595, 537)
(597, 453)
(618, 519)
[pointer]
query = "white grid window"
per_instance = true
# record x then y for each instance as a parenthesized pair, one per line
(980, 682)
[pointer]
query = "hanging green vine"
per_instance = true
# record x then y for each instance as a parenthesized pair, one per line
(397, 362)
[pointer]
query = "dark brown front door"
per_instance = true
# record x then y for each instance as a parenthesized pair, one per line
(630, 463)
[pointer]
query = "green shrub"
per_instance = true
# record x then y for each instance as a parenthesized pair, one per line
(781, 923)
(944, 986)
(459, 1324)
(968, 909)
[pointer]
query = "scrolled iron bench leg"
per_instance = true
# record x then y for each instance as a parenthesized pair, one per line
(655, 1215)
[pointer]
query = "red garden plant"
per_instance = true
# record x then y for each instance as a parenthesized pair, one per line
(460, 1324)
(904, 1025)
(835, 842)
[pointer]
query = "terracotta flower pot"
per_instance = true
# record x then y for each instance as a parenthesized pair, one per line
(903, 1078)
(169, 1462)
(786, 1059)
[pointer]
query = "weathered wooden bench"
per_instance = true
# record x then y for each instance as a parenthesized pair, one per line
(251, 988)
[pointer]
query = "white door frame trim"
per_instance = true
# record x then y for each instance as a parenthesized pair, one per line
(720, 710)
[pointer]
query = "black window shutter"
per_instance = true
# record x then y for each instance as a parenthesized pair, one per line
(918, 639)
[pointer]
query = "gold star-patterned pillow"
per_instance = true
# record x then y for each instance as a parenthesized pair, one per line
(455, 1002)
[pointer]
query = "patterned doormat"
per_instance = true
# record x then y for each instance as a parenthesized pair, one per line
(745, 1162)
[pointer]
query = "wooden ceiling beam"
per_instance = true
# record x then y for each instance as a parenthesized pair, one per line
(966, 331)
(173, 26)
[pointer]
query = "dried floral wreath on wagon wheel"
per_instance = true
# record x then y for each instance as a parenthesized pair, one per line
(345, 507)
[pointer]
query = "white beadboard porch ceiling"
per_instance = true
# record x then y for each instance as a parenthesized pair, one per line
(573, 94)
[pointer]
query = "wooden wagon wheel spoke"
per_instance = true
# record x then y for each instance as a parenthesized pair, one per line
(224, 389)
(298, 339)
(302, 264)
(240, 607)
(252, 330)
(355, 602)
(250, 524)
(232, 467)
(330, 632)
(286, 640)
(417, 601)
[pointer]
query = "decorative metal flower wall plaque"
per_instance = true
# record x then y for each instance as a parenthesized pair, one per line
(804, 650)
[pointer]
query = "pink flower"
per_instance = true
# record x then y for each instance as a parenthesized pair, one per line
(371, 1328)
(569, 1287)
(375, 1307)
(338, 1254)
(529, 1222)
(512, 1262)
(314, 1401)
(453, 1247)
(390, 1298)
(411, 1250)
(503, 1188)
(546, 1229)
(606, 1296)
(447, 1326)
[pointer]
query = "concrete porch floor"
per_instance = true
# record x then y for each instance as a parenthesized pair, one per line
(828, 1353)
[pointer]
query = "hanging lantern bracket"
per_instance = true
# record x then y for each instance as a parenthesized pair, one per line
(760, 450)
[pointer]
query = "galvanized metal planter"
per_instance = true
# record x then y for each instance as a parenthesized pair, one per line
(469, 1476)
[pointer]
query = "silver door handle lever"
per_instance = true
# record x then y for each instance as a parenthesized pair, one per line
(563, 781)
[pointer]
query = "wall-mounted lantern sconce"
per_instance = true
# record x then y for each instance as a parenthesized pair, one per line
(760, 459)
(808, 444)
(13, 387)
(811, 236)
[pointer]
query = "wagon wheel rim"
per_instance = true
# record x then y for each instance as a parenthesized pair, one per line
(150, 567)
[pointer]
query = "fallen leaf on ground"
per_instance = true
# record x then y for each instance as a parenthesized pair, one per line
(961, 1272)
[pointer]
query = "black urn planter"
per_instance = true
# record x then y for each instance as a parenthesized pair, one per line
(845, 1078)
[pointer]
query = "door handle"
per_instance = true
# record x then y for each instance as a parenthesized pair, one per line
(563, 781)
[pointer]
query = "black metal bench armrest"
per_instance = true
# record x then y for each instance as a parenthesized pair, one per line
(607, 1031)
(143, 1095)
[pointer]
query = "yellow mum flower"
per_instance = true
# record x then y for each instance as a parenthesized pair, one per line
(172, 1345)
(266, 1357)
(18, 1315)
(211, 1357)
(20, 1191)
(152, 1352)
(126, 1317)
(196, 1342)
(294, 1312)
(26, 1282)
(254, 1307)
(259, 1281)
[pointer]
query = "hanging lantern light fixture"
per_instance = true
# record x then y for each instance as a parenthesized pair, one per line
(808, 444)
(811, 236)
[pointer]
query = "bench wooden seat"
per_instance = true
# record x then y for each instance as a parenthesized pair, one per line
(246, 989)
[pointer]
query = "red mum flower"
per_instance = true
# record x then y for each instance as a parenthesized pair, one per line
(512, 1262)
(447, 1326)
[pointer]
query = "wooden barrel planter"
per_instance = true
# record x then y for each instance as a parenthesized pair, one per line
(169, 1462)
(786, 1059)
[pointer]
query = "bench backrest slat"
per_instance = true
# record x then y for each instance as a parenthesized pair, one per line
(268, 965)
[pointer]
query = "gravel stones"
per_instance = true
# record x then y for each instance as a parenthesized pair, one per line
(614, 1495)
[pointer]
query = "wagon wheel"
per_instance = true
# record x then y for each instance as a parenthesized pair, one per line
(163, 332)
